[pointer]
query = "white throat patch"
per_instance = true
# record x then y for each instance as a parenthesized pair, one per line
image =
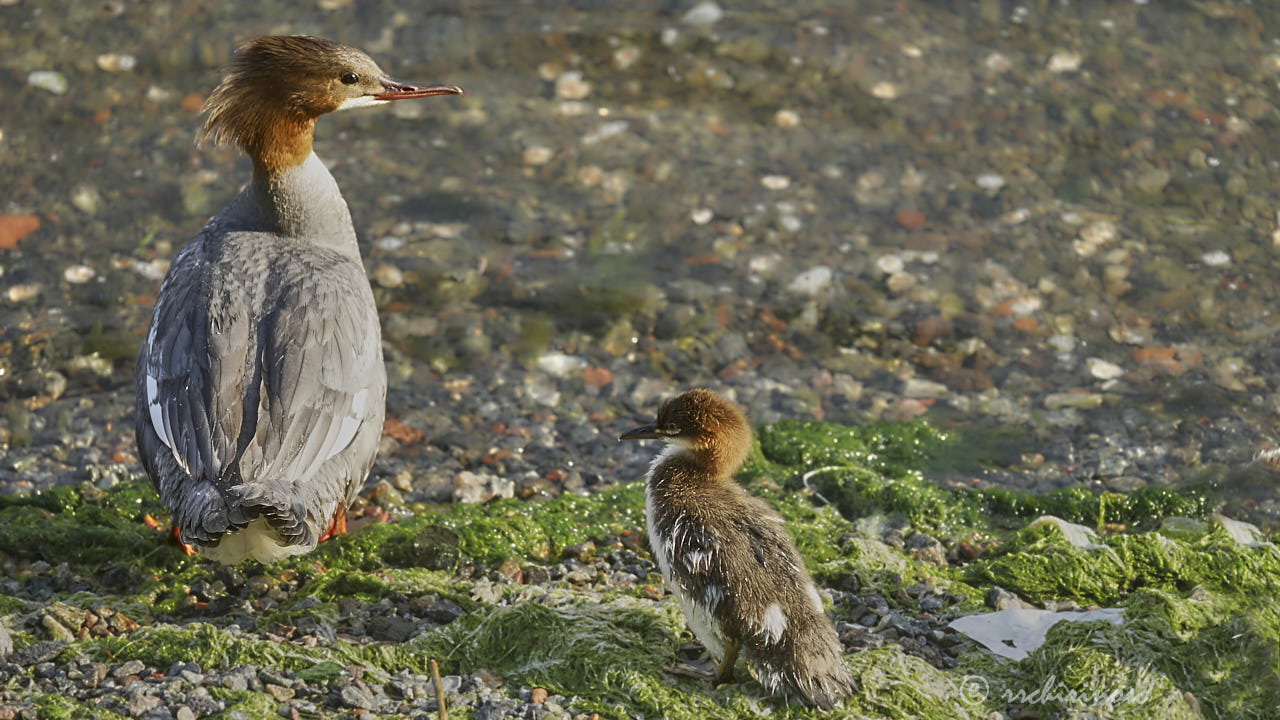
(361, 101)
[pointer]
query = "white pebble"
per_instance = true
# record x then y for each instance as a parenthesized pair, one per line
(884, 90)
(560, 365)
(776, 182)
(786, 118)
(114, 62)
(812, 281)
(701, 216)
(1062, 62)
(19, 293)
(997, 62)
(49, 80)
(889, 264)
(78, 274)
(1217, 258)
(388, 276)
(1102, 369)
(86, 199)
(762, 264)
(704, 14)
(571, 86)
(990, 181)
(626, 56)
(790, 223)
(537, 155)
(605, 131)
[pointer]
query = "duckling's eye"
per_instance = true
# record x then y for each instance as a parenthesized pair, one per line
(350, 79)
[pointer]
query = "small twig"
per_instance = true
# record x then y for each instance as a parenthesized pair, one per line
(805, 480)
(435, 678)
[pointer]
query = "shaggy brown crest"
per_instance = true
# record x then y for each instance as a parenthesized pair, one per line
(276, 87)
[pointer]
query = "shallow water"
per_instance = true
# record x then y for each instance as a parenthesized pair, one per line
(1051, 227)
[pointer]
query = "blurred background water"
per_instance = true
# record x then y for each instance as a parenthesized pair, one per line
(1049, 227)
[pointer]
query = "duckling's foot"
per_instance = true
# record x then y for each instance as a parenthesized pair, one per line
(687, 670)
(337, 526)
(175, 539)
(725, 673)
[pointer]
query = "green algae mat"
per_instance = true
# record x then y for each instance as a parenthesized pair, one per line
(1199, 635)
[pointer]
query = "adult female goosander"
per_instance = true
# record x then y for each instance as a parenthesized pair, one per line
(260, 384)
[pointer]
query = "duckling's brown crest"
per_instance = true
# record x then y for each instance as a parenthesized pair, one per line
(710, 425)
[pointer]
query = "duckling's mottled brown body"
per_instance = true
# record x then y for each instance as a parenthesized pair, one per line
(728, 558)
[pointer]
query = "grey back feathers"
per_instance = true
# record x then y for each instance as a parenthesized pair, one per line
(260, 384)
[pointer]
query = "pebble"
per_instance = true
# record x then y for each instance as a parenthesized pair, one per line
(116, 62)
(701, 216)
(990, 181)
(625, 56)
(776, 182)
(786, 119)
(885, 90)
(561, 365)
(49, 81)
(704, 14)
(812, 281)
(571, 86)
(1064, 62)
(1103, 370)
(86, 199)
(388, 276)
(1057, 401)
(1216, 258)
(78, 274)
(889, 264)
(997, 62)
(537, 155)
(23, 292)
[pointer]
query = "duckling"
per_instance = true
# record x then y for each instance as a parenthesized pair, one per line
(727, 557)
(260, 385)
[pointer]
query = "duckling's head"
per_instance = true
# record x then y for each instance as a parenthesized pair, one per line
(704, 424)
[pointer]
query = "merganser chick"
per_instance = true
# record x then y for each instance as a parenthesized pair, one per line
(260, 385)
(728, 558)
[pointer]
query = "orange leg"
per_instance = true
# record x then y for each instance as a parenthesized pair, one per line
(175, 539)
(337, 526)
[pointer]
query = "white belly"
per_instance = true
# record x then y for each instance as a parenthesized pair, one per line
(697, 614)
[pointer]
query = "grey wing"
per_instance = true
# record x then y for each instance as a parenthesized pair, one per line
(321, 398)
(189, 392)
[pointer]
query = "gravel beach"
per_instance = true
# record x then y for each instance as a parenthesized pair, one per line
(1049, 230)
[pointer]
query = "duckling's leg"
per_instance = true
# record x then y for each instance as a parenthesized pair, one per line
(725, 673)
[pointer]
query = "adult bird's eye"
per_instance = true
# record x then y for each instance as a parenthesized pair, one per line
(350, 79)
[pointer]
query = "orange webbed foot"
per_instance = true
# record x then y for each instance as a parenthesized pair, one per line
(337, 526)
(175, 539)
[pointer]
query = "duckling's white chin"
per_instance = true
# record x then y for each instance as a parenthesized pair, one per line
(361, 101)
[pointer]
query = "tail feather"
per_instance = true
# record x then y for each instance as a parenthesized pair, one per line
(207, 514)
(810, 660)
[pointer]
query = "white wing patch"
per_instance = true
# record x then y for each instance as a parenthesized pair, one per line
(814, 597)
(773, 623)
(158, 423)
